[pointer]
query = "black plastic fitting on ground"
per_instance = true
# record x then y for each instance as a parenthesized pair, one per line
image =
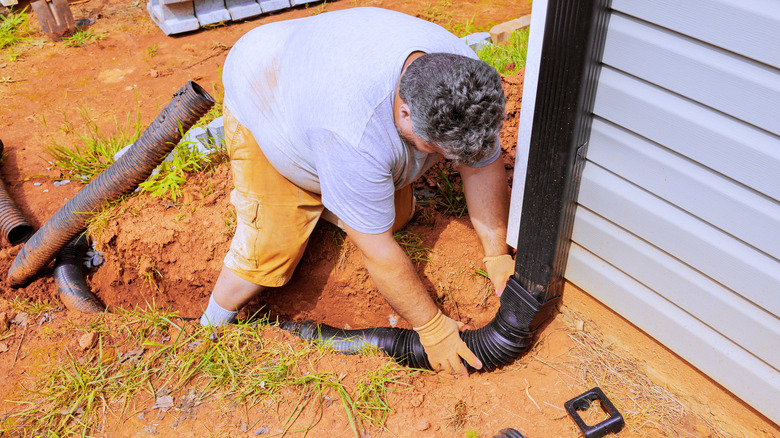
(71, 287)
(188, 105)
(498, 343)
(13, 226)
(509, 433)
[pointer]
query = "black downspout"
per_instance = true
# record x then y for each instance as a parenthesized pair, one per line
(574, 35)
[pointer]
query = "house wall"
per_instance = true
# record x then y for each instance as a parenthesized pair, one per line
(678, 220)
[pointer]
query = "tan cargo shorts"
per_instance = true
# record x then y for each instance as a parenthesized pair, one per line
(274, 216)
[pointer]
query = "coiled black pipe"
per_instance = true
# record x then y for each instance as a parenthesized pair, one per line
(498, 343)
(13, 226)
(188, 105)
(70, 283)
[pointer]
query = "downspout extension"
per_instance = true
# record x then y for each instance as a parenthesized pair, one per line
(188, 105)
(70, 283)
(508, 336)
(13, 226)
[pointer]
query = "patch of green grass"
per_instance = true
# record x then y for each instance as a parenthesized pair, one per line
(412, 245)
(158, 355)
(372, 393)
(507, 58)
(439, 12)
(152, 50)
(467, 28)
(81, 37)
(14, 28)
(96, 153)
(449, 192)
(32, 308)
(172, 173)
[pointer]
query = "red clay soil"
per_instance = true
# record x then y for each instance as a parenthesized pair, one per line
(169, 254)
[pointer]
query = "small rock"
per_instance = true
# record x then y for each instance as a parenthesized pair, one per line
(20, 319)
(579, 325)
(46, 191)
(261, 431)
(153, 73)
(37, 184)
(422, 425)
(165, 402)
(244, 427)
(140, 416)
(3, 347)
(150, 430)
(417, 400)
(88, 340)
(97, 259)
(5, 322)
(132, 354)
(84, 22)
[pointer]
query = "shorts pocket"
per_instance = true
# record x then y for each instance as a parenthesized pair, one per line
(247, 209)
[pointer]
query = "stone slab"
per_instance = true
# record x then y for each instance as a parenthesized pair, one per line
(500, 32)
(173, 18)
(211, 11)
(273, 5)
(241, 9)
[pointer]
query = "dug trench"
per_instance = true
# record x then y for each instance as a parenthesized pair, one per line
(165, 255)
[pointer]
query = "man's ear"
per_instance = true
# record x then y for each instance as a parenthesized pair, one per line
(405, 111)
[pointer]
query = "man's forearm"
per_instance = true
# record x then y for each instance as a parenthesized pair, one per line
(395, 277)
(487, 197)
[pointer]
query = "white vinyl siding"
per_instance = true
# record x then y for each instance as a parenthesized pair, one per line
(678, 219)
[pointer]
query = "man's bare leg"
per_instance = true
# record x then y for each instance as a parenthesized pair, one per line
(230, 293)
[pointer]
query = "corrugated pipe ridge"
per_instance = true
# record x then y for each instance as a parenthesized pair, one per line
(70, 283)
(188, 105)
(13, 225)
(498, 343)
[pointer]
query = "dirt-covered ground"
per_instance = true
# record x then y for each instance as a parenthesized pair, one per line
(168, 255)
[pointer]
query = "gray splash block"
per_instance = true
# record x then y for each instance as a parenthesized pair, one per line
(211, 11)
(273, 5)
(240, 9)
(173, 17)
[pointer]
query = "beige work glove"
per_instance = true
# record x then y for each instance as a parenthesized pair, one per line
(441, 339)
(499, 269)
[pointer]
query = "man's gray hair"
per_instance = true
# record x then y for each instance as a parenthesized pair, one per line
(456, 103)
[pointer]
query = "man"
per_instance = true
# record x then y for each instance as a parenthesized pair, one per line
(343, 111)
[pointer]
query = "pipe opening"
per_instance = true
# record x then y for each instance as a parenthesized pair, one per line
(20, 234)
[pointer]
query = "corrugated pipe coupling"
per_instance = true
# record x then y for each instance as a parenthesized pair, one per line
(188, 105)
(509, 335)
(13, 226)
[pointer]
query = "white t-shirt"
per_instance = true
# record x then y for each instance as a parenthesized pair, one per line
(317, 94)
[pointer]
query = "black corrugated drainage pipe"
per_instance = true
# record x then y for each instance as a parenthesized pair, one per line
(500, 342)
(188, 105)
(71, 287)
(13, 226)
